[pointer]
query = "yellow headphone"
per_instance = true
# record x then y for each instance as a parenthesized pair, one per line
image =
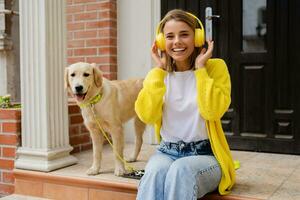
(199, 35)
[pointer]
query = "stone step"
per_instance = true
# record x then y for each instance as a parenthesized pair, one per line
(54, 186)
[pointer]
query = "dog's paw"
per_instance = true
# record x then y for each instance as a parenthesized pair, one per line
(93, 171)
(131, 159)
(119, 171)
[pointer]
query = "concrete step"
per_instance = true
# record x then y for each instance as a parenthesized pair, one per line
(21, 197)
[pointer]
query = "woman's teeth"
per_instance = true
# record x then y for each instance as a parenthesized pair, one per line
(178, 49)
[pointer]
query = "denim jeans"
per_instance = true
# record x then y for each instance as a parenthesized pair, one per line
(180, 171)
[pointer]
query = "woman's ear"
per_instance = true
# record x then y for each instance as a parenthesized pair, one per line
(97, 75)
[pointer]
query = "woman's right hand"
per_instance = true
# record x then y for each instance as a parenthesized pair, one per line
(160, 61)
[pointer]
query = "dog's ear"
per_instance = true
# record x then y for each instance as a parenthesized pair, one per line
(97, 75)
(67, 85)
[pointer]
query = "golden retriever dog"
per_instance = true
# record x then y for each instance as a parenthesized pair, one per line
(115, 107)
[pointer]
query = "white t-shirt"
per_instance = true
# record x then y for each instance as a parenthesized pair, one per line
(181, 118)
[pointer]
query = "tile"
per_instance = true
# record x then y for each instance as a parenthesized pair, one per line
(259, 182)
(109, 195)
(61, 192)
(32, 188)
(261, 174)
(288, 191)
(269, 160)
(107, 168)
(243, 156)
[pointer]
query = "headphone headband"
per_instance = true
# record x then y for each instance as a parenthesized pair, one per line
(195, 17)
(199, 34)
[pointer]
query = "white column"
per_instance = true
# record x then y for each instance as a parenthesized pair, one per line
(45, 137)
(137, 21)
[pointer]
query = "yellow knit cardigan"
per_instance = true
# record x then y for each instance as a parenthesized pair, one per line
(213, 98)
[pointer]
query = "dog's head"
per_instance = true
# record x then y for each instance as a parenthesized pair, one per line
(83, 80)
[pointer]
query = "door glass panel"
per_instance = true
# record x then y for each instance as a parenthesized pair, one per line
(254, 25)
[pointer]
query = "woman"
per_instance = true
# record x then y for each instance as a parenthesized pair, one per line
(184, 97)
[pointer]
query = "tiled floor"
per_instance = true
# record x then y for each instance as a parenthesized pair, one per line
(262, 175)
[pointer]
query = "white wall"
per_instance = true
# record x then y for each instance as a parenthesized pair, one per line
(137, 20)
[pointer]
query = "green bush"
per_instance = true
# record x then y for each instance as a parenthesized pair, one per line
(6, 103)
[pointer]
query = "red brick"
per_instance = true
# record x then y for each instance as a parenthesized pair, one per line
(75, 26)
(73, 109)
(6, 189)
(70, 52)
(69, 2)
(6, 164)
(70, 35)
(111, 76)
(8, 177)
(11, 127)
(84, 129)
(76, 43)
(9, 152)
(107, 50)
(79, 139)
(10, 114)
(97, 59)
(85, 16)
(70, 18)
(85, 34)
(97, 42)
(75, 59)
(109, 32)
(94, 42)
(108, 68)
(84, 1)
(107, 14)
(86, 51)
(98, 24)
(74, 9)
(101, 6)
(73, 130)
(9, 139)
(76, 119)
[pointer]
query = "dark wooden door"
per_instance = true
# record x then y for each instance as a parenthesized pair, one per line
(259, 40)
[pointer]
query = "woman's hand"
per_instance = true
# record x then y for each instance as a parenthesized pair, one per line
(204, 55)
(159, 60)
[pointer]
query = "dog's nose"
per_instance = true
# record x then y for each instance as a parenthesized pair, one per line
(79, 88)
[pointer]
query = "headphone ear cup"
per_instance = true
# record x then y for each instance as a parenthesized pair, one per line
(199, 37)
(160, 41)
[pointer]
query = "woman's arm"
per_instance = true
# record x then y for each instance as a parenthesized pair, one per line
(214, 88)
(148, 105)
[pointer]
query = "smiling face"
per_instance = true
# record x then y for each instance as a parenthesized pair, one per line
(180, 42)
(82, 78)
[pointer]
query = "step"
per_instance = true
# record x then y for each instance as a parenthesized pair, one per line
(52, 186)
(21, 197)
(260, 177)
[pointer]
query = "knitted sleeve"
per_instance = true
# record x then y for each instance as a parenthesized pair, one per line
(214, 87)
(148, 105)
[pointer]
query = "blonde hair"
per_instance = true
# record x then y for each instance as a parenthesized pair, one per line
(180, 15)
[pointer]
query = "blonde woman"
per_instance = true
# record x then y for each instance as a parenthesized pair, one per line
(184, 97)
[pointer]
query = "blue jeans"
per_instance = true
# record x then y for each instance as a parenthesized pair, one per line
(182, 171)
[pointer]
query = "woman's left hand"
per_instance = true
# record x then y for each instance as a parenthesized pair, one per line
(204, 55)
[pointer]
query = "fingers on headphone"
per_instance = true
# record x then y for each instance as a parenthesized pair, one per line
(203, 50)
(210, 45)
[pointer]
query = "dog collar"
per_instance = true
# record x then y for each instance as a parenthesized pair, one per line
(93, 101)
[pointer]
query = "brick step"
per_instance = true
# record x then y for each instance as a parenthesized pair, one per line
(21, 197)
(53, 186)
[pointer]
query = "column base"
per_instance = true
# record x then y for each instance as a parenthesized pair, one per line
(44, 161)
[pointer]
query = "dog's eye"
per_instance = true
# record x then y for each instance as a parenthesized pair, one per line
(73, 74)
(86, 74)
